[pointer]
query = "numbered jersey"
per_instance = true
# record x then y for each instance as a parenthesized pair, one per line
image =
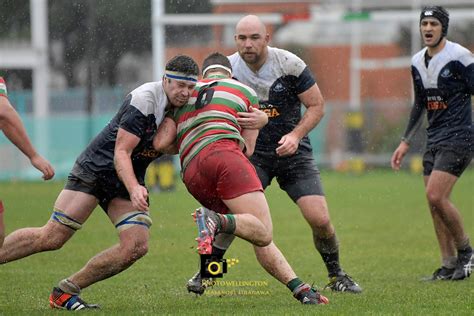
(278, 83)
(211, 114)
(444, 90)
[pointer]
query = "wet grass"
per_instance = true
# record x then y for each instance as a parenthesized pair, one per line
(385, 232)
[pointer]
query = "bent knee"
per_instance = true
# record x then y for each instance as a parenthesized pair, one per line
(265, 240)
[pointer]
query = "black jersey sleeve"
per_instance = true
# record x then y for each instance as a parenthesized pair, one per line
(305, 81)
(416, 114)
(469, 75)
(133, 121)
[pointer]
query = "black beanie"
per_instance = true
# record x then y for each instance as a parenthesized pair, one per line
(438, 13)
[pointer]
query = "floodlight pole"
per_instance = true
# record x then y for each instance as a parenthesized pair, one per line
(158, 38)
(354, 92)
(39, 39)
(415, 28)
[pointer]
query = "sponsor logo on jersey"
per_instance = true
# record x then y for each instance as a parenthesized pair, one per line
(436, 102)
(149, 153)
(269, 109)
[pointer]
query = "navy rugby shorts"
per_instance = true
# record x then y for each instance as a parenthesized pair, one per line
(297, 175)
(453, 160)
(105, 186)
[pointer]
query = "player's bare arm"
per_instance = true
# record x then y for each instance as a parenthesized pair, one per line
(250, 137)
(164, 140)
(124, 146)
(14, 130)
(398, 155)
(313, 100)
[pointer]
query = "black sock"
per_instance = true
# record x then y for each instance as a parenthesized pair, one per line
(218, 251)
(331, 260)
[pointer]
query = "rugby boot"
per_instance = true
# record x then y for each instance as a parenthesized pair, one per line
(198, 285)
(62, 300)
(464, 265)
(306, 294)
(343, 283)
(442, 273)
(207, 222)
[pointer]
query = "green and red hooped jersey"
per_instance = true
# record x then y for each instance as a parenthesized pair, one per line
(211, 114)
(3, 88)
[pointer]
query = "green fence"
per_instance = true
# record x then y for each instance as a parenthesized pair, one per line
(59, 139)
(62, 136)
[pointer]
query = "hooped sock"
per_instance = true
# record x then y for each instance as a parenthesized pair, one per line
(227, 222)
(293, 284)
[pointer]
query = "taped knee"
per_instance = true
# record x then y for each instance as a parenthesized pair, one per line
(131, 219)
(61, 218)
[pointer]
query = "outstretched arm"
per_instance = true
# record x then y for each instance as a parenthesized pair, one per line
(14, 130)
(313, 100)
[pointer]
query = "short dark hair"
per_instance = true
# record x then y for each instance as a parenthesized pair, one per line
(216, 59)
(439, 13)
(183, 64)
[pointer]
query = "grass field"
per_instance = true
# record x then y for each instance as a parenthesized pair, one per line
(387, 245)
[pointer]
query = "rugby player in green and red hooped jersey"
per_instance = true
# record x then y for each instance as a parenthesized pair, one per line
(14, 130)
(212, 115)
(215, 170)
(284, 83)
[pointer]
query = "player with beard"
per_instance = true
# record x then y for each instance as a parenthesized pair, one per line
(213, 150)
(443, 79)
(110, 172)
(284, 83)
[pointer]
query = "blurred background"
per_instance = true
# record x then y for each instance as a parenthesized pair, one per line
(69, 64)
